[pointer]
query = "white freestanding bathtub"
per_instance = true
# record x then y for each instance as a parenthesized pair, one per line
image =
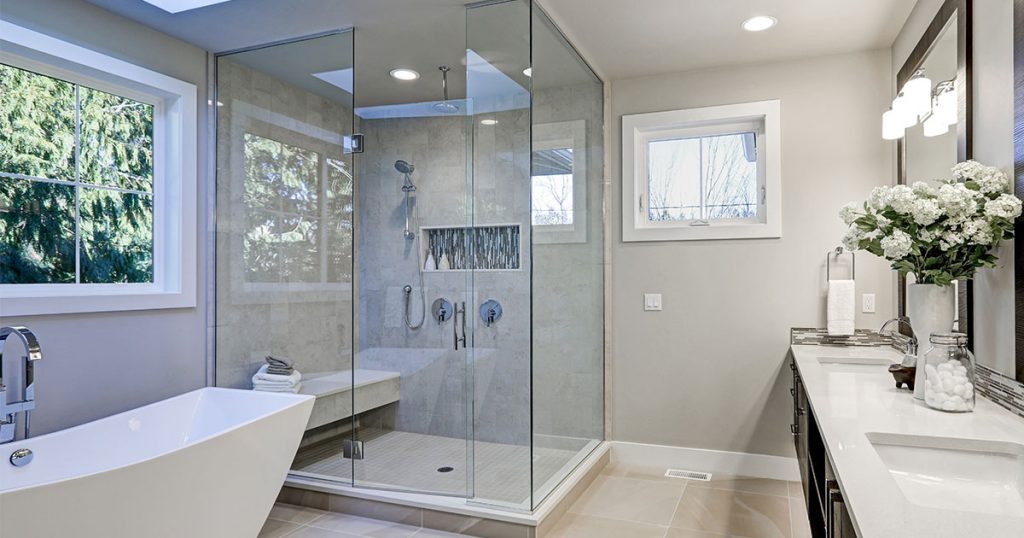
(208, 463)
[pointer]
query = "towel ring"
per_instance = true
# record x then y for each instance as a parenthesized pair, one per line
(839, 252)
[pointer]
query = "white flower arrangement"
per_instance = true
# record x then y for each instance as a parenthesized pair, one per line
(939, 233)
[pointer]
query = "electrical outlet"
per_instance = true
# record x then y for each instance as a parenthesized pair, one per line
(652, 302)
(868, 303)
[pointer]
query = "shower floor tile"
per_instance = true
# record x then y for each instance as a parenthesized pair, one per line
(411, 461)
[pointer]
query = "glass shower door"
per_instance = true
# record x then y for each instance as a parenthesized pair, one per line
(413, 270)
(284, 239)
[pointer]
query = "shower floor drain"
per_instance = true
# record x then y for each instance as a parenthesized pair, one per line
(445, 469)
(688, 475)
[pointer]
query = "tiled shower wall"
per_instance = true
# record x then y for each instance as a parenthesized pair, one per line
(311, 326)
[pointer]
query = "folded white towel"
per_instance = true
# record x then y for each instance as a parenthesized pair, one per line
(266, 379)
(842, 307)
(294, 389)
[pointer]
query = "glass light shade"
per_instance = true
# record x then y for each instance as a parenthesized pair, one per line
(918, 93)
(902, 112)
(948, 106)
(935, 125)
(892, 127)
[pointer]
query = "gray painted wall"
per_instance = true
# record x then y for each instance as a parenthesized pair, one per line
(709, 371)
(95, 365)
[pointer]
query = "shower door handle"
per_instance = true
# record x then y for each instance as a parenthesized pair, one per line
(460, 309)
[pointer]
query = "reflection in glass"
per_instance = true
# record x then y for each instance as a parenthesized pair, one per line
(552, 187)
(37, 232)
(116, 236)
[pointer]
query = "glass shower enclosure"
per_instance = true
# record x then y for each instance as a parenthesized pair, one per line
(431, 260)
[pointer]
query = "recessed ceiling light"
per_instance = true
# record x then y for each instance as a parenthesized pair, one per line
(759, 23)
(488, 122)
(528, 71)
(402, 73)
(177, 6)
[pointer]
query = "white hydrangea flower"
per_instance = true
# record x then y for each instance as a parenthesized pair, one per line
(967, 170)
(852, 238)
(873, 234)
(925, 235)
(883, 221)
(957, 201)
(950, 239)
(849, 213)
(1006, 206)
(977, 231)
(897, 245)
(992, 180)
(925, 211)
(879, 197)
(921, 188)
(901, 199)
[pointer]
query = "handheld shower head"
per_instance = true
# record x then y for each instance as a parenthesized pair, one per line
(404, 167)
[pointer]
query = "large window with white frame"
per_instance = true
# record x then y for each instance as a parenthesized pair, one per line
(706, 173)
(97, 181)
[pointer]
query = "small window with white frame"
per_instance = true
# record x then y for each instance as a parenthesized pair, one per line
(705, 173)
(97, 181)
(558, 183)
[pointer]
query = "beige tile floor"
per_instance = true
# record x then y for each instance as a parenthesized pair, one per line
(300, 522)
(623, 502)
(638, 502)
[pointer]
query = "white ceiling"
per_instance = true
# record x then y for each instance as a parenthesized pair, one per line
(621, 38)
(627, 38)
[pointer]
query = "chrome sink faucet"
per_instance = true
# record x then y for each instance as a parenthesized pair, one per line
(911, 344)
(27, 402)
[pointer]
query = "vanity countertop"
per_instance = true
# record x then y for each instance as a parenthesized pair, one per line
(851, 401)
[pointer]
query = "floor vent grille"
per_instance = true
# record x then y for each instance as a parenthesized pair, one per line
(688, 475)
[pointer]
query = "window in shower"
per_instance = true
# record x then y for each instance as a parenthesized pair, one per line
(298, 203)
(552, 187)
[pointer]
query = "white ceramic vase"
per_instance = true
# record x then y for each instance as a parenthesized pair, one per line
(931, 310)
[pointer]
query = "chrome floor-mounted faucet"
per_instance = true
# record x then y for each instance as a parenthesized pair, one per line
(27, 402)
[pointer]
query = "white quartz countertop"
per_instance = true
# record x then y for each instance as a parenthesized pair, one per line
(850, 401)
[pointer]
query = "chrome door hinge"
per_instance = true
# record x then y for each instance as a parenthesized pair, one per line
(354, 144)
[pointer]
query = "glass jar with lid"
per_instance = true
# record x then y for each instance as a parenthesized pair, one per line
(949, 373)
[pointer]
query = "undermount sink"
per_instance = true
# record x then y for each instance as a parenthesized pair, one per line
(955, 474)
(865, 361)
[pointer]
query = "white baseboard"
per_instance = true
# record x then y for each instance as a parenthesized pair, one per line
(699, 459)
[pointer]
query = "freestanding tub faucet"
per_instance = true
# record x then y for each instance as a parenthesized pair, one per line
(9, 410)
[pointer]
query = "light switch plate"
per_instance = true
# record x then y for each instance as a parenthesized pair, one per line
(652, 302)
(868, 303)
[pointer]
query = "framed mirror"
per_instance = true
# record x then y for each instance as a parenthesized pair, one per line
(926, 153)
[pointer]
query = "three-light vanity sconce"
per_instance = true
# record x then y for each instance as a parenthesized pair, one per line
(917, 102)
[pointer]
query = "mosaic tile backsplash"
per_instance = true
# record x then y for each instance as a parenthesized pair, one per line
(1002, 390)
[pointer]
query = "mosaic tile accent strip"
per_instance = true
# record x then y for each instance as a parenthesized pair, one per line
(1002, 390)
(820, 337)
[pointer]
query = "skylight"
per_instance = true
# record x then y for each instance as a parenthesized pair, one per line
(177, 6)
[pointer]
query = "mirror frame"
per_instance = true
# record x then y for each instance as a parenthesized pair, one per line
(1018, 180)
(964, 149)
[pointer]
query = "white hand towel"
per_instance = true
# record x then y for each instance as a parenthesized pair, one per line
(842, 307)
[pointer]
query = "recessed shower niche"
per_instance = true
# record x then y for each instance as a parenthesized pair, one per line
(478, 248)
(324, 256)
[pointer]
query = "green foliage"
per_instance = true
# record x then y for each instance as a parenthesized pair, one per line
(38, 219)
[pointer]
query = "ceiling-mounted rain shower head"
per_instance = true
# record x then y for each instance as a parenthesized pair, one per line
(404, 167)
(445, 107)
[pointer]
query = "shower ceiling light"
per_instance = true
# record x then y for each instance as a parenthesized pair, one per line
(489, 122)
(528, 71)
(402, 73)
(759, 23)
(177, 6)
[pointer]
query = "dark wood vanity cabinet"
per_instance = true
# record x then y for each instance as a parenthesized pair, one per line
(826, 511)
